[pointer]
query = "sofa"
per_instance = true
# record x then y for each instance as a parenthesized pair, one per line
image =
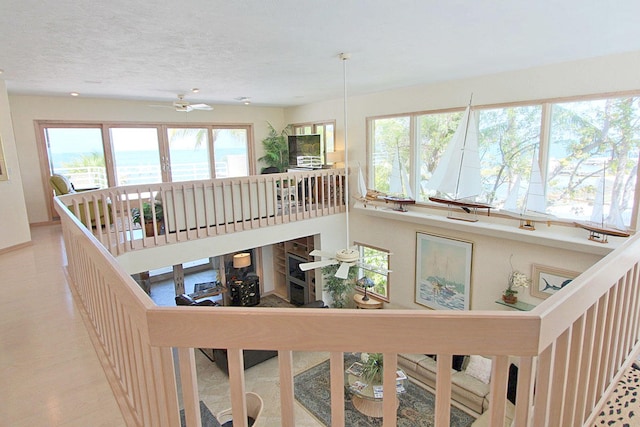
(466, 389)
(254, 357)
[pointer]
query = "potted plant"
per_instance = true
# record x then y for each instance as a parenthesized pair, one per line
(147, 216)
(339, 289)
(517, 279)
(276, 148)
(372, 366)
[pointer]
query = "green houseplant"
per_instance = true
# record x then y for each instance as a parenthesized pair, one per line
(339, 289)
(147, 217)
(276, 148)
(372, 367)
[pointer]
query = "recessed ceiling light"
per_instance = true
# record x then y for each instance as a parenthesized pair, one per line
(1, 71)
(195, 90)
(74, 94)
(244, 99)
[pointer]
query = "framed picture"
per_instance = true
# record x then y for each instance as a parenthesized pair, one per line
(4, 176)
(549, 280)
(443, 272)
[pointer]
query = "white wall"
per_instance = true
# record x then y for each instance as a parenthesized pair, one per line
(14, 226)
(27, 109)
(490, 255)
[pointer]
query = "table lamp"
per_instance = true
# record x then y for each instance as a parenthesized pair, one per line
(366, 283)
(241, 261)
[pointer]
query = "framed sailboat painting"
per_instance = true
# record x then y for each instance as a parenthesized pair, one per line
(443, 272)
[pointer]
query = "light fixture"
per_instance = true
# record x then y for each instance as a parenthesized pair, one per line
(1, 71)
(365, 283)
(244, 99)
(242, 260)
(74, 94)
(195, 90)
(335, 156)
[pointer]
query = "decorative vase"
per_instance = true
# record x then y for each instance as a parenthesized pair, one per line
(510, 299)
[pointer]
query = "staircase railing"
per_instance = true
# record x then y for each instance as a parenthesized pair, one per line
(571, 349)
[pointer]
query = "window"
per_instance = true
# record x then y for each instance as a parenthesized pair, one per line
(106, 154)
(77, 152)
(587, 152)
(375, 265)
(593, 160)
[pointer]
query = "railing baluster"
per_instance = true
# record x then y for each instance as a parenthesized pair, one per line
(285, 362)
(337, 389)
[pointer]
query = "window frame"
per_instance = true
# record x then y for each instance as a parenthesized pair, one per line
(46, 166)
(375, 295)
(545, 126)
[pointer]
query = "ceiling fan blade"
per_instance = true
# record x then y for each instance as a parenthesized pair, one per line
(324, 254)
(316, 264)
(206, 107)
(343, 270)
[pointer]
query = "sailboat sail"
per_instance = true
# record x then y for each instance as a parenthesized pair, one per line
(535, 199)
(362, 186)
(511, 203)
(458, 172)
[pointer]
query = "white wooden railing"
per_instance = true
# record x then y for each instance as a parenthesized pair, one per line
(571, 348)
(197, 209)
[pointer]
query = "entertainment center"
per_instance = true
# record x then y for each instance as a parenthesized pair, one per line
(293, 284)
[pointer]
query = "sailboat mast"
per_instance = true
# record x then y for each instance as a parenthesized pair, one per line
(464, 144)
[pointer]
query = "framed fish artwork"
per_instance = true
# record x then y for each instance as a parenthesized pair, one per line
(547, 281)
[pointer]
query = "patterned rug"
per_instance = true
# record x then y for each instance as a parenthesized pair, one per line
(623, 406)
(312, 390)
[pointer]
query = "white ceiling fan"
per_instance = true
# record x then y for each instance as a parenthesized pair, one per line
(184, 106)
(351, 255)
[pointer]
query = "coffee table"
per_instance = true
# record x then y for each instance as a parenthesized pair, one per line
(367, 398)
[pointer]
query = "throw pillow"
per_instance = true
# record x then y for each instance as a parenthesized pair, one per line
(480, 368)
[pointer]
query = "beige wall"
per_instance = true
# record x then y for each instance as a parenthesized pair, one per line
(14, 226)
(27, 109)
(490, 254)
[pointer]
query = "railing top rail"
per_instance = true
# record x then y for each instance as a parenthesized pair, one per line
(299, 329)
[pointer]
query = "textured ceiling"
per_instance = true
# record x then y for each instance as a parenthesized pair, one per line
(284, 52)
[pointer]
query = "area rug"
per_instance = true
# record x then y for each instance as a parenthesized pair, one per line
(208, 420)
(274, 301)
(312, 390)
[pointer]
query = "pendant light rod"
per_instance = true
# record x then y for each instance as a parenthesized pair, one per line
(345, 57)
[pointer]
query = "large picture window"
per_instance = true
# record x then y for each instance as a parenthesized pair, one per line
(108, 154)
(586, 152)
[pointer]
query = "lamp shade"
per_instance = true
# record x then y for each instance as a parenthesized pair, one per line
(335, 156)
(242, 260)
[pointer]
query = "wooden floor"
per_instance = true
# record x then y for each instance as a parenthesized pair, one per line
(49, 372)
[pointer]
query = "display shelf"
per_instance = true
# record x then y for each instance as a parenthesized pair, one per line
(519, 305)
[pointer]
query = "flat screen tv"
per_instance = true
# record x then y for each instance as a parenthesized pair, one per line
(305, 151)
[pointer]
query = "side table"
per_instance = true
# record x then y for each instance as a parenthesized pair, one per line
(369, 304)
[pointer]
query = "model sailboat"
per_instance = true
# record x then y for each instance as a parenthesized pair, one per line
(456, 179)
(598, 228)
(535, 203)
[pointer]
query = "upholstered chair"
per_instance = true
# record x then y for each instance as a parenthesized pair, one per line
(61, 186)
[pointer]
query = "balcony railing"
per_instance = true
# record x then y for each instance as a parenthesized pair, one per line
(197, 209)
(571, 348)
